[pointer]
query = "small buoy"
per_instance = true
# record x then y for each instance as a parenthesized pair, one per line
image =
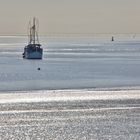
(112, 39)
(38, 69)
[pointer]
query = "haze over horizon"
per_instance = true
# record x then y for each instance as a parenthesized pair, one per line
(70, 16)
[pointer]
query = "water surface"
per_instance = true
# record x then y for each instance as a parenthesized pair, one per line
(71, 63)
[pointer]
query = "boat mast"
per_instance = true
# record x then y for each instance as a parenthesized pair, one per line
(33, 35)
(30, 36)
(34, 30)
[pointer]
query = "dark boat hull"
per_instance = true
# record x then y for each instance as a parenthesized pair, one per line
(33, 52)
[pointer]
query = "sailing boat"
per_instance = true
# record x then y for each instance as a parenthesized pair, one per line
(33, 50)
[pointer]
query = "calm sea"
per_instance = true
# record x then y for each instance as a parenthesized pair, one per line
(71, 63)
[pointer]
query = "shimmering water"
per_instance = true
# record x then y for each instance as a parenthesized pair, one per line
(77, 120)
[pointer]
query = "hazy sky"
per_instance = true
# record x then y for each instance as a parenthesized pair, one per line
(71, 16)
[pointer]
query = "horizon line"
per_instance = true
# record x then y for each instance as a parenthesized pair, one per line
(59, 34)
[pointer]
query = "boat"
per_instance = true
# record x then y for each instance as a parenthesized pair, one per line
(33, 50)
